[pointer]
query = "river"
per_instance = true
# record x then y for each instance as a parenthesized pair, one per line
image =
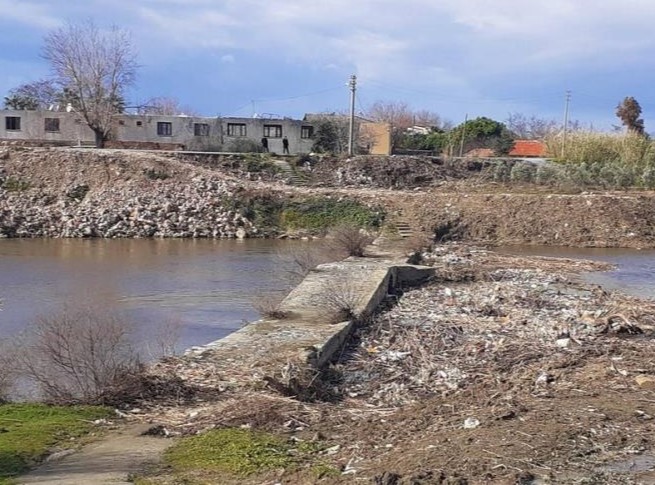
(634, 273)
(201, 289)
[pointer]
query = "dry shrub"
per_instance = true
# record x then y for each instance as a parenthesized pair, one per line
(79, 354)
(268, 305)
(299, 259)
(8, 372)
(350, 239)
(341, 300)
(166, 338)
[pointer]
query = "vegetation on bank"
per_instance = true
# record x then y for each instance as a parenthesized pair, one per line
(316, 214)
(28, 432)
(588, 160)
(236, 453)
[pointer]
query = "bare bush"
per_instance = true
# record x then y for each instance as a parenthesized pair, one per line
(350, 239)
(341, 300)
(8, 372)
(299, 259)
(79, 354)
(268, 305)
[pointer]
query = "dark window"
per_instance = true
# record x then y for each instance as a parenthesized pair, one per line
(236, 129)
(52, 125)
(273, 131)
(12, 123)
(164, 128)
(201, 129)
(139, 123)
(121, 122)
(306, 132)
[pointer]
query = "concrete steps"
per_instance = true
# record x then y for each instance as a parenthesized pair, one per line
(404, 229)
(293, 177)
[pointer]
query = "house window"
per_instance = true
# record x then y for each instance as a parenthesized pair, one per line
(12, 123)
(139, 123)
(52, 125)
(236, 129)
(306, 132)
(201, 129)
(273, 131)
(164, 128)
(121, 122)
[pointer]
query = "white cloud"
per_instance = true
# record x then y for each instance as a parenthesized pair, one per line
(227, 59)
(28, 13)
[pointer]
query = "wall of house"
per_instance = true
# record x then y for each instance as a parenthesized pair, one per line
(165, 132)
(70, 129)
(376, 137)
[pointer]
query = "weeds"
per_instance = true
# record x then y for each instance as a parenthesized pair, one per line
(350, 239)
(12, 184)
(342, 301)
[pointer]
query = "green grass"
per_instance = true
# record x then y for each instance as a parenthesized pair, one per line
(322, 213)
(234, 454)
(238, 452)
(29, 431)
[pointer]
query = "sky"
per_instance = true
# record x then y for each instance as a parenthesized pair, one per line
(290, 57)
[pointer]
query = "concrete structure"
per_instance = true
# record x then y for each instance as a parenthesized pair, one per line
(308, 337)
(159, 131)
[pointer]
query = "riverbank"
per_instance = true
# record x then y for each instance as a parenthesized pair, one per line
(502, 370)
(132, 194)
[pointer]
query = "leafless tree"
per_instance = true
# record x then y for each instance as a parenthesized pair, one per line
(95, 67)
(165, 105)
(531, 128)
(401, 117)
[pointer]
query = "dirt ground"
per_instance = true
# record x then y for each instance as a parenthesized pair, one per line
(503, 370)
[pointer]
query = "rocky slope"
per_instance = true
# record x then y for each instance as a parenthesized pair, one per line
(66, 193)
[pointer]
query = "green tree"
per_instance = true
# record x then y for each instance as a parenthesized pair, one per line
(482, 132)
(629, 112)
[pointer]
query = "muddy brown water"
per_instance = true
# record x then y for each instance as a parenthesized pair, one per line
(204, 289)
(634, 273)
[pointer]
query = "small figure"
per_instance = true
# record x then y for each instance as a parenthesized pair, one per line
(285, 145)
(265, 144)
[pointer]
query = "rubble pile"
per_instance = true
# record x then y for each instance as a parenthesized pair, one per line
(116, 197)
(449, 335)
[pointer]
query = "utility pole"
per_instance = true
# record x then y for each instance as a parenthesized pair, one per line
(351, 131)
(461, 144)
(566, 121)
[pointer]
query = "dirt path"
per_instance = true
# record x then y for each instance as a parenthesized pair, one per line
(109, 460)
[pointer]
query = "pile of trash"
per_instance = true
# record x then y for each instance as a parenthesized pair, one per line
(451, 334)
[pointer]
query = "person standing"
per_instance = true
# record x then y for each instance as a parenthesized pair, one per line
(285, 146)
(265, 144)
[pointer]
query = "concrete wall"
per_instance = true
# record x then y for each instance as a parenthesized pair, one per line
(185, 132)
(72, 128)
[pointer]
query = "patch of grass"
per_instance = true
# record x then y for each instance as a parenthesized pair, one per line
(29, 431)
(12, 184)
(320, 213)
(233, 451)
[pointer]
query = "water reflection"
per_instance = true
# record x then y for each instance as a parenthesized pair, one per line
(205, 285)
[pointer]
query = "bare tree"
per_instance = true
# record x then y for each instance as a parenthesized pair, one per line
(401, 117)
(165, 105)
(531, 128)
(96, 67)
(32, 96)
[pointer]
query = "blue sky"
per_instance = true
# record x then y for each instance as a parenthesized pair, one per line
(288, 57)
